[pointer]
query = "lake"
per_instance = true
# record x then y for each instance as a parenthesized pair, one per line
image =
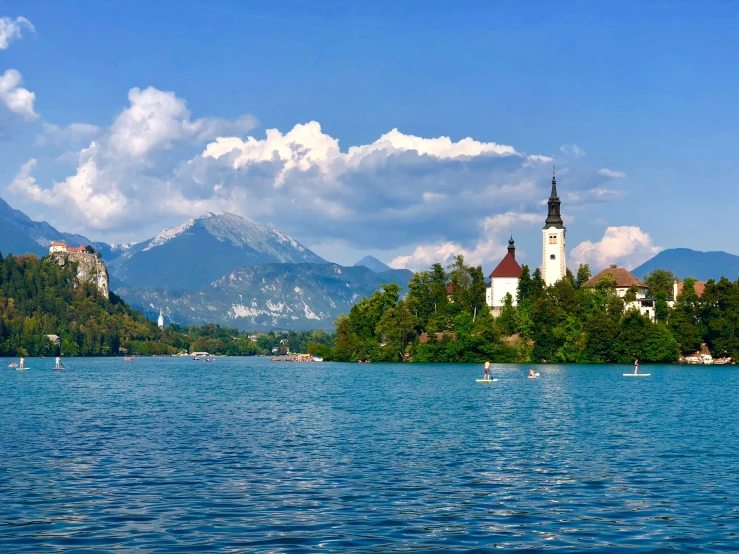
(243, 455)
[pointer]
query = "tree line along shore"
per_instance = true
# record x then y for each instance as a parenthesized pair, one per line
(46, 311)
(443, 317)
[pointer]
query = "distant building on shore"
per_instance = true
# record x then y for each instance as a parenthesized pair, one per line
(626, 281)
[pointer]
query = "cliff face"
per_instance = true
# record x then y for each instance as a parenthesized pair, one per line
(90, 268)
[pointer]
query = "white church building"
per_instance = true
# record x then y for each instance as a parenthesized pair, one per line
(503, 281)
(504, 278)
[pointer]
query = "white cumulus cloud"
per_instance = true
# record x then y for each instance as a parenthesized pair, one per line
(394, 193)
(426, 255)
(625, 246)
(490, 248)
(157, 119)
(16, 98)
(11, 29)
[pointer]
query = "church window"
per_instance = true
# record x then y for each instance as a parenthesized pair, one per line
(552, 239)
(551, 257)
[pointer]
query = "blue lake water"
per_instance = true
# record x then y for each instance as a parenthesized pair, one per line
(243, 455)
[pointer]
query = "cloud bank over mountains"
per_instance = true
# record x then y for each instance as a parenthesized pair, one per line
(627, 246)
(434, 196)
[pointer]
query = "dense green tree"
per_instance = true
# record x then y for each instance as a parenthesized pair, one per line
(660, 281)
(685, 321)
(583, 275)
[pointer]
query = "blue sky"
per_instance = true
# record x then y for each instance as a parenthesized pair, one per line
(647, 92)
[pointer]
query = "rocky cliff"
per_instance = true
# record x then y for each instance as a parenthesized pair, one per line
(90, 268)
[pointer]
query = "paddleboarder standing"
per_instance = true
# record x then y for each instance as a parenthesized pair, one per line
(636, 366)
(487, 371)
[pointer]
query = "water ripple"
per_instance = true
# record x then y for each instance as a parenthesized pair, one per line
(166, 455)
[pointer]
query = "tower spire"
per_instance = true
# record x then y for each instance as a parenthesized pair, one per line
(554, 183)
(554, 218)
(512, 248)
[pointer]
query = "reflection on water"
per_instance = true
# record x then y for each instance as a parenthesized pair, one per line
(242, 455)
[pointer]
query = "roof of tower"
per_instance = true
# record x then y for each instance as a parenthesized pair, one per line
(508, 267)
(554, 217)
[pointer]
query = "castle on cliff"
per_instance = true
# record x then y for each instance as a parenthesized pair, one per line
(90, 268)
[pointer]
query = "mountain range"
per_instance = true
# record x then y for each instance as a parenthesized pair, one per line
(204, 249)
(374, 264)
(21, 234)
(684, 262)
(294, 296)
(218, 268)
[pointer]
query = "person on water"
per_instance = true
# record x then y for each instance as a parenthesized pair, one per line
(487, 371)
(531, 373)
(58, 363)
(23, 363)
(636, 366)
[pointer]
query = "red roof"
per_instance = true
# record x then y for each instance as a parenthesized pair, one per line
(624, 279)
(57, 243)
(508, 267)
(76, 249)
(698, 285)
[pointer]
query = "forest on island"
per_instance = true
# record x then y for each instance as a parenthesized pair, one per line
(444, 318)
(40, 298)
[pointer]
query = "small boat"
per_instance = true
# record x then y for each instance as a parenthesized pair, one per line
(12, 364)
(196, 359)
(208, 360)
(128, 358)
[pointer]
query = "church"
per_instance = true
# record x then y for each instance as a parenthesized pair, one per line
(504, 278)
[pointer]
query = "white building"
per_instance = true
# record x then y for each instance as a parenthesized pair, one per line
(57, 246)
(625, 280)
(503, 281)
(553, 265)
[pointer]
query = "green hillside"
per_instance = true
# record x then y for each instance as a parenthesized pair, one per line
(40, 298)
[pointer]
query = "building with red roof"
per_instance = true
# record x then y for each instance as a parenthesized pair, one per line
(504, 280)
(57, 246)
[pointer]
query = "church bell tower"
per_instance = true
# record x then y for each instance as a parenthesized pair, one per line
(553, 266)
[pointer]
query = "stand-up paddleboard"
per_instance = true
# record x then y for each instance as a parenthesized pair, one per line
(637, 374)
(534, 377)
(486, 380)
(22, 368)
